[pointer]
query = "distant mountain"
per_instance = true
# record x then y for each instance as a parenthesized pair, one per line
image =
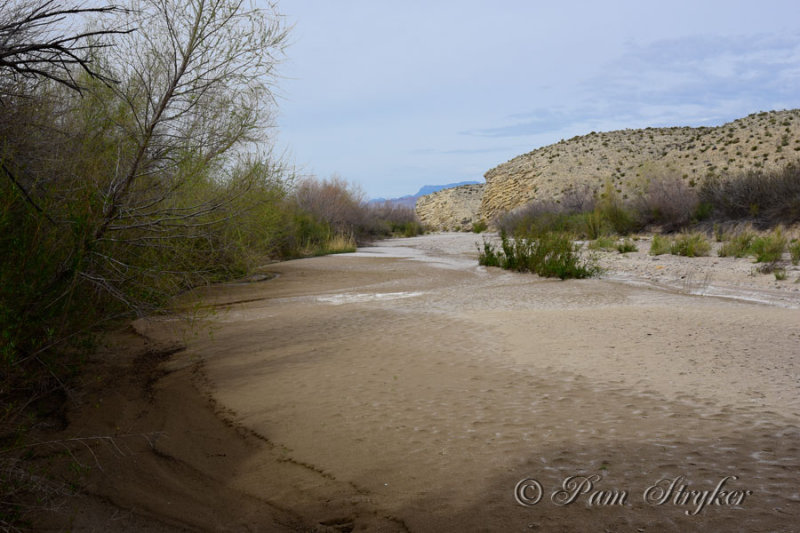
(410, 200)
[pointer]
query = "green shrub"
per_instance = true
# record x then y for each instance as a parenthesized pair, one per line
(690, 245)
(594, 225)
(780, 274)
(410, 228)
(548, 255)
(738, 246)
(479, 226)
(769, 248)
(603, 243)
(794, 251)
(626, 246)
(489, 256)
(661, 245)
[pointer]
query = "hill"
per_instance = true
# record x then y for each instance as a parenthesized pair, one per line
(410, 200)
(628, 157)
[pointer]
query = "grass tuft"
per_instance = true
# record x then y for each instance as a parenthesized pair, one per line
(690, 245)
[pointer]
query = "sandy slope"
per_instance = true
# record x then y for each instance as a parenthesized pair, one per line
(404, 388)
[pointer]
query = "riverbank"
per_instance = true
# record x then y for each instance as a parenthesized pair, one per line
(405, 388)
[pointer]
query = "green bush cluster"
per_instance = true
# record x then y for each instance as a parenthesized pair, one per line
(685, 244)
(626, 246)
(603, 243)
(548, 255)
(690, 245)
(479, 226)
(738, 246)
(769, 248)
(764, 248)
(660, 245)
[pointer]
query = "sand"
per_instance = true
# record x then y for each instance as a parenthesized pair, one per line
(405, 388)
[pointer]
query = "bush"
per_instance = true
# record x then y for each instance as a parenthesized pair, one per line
(666, 201)
(479, 227)
(627, 246)
(690, 245)
(603, 243)
(661, 245)
(768, 197)
(738, 246)
(769, 248)
(567, 214)
(794, 251)
(549, 255)
(614, 212)
(386, 220)
(489, 256)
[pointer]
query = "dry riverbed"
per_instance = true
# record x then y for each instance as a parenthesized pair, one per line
(405, 388)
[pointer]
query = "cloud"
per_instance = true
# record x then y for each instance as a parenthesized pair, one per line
(693, 81)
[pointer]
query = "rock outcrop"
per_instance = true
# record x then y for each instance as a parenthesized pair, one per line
(452, 209)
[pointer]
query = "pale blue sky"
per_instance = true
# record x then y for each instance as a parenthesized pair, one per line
(396, 95)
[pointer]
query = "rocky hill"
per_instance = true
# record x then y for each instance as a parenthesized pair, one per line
(628, 157)
(410, 200)
(453, 209)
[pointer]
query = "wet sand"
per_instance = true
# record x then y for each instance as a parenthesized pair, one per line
(405, 388)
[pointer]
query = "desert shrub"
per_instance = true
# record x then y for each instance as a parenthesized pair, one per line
(719, 234)
(780, 274)
(594, 225)
(387, 220)
(661, 245)
(666, 201)
(566, 214)
(768, 197)
(610, 207)
(548, 255)
(335, 201)
(738, 246)
(338, 244)
(690, 245)
(626, 246)
(479, 226)
(603, 243)
(769, 248)
(489, 255)
(794, 252)
(411, 228)
(509, 260)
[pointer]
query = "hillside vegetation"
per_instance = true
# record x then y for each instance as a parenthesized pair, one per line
(629, 159)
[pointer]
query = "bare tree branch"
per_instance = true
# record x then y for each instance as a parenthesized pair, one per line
(35, 41)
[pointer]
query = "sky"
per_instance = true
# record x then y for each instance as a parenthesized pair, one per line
(395, 95)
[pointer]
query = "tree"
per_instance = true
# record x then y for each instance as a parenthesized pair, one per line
(195, 94)
(120, 194)
(34, 43)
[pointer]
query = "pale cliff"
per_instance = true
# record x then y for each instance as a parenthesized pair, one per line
(454, 209)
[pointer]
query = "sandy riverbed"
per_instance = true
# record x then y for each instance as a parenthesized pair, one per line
(405, 388)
